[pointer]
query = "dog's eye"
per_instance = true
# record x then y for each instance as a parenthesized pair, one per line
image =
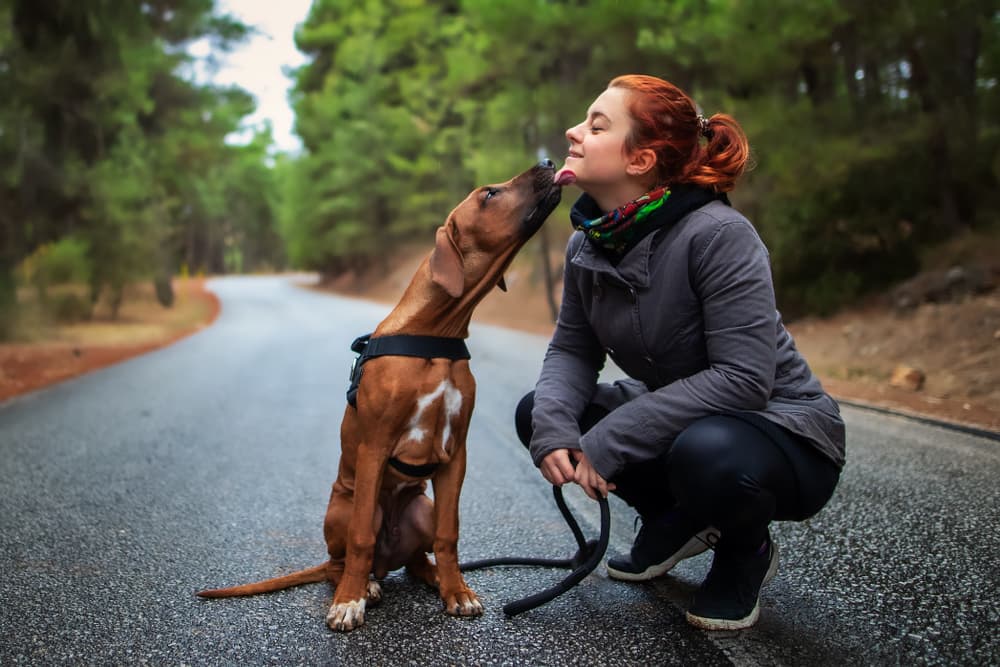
(490, 193)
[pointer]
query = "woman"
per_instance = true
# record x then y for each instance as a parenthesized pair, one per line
(721, 427)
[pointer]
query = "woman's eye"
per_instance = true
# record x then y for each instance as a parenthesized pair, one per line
(596, 129)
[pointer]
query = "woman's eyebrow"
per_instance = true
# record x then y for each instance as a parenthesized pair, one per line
(595, 114)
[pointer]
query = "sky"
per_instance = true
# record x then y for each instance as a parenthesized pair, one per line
(258, 64)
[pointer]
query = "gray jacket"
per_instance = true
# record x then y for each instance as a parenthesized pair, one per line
(689, 314)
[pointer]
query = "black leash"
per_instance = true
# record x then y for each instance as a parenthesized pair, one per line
(586, 559)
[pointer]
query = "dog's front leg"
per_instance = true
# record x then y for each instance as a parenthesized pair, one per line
(458, 598)
(348, 609)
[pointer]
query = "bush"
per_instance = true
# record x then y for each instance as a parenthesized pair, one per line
(59, 263)
(68, 308)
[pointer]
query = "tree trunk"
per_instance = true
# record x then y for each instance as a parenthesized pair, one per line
(8, 298)
(543, 237)
(937, 142)
(848, 39)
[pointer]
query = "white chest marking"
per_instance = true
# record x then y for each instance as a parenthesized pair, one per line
(452, 406)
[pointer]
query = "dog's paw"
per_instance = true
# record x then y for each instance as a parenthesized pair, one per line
(374, 592)
(464, 603)
(346, 616)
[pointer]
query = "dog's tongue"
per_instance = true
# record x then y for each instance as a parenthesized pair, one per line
(565, 177)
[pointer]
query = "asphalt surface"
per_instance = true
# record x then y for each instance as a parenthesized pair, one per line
(209, 463)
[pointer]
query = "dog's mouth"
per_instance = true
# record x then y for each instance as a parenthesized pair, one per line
(548, 194)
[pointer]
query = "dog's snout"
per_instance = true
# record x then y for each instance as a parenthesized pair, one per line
(541, 175)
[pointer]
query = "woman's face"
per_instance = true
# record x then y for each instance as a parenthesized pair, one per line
(597, 145)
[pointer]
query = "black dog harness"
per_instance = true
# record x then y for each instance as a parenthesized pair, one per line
(425, 347)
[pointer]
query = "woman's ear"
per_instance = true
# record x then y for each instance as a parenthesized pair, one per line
(641, 162)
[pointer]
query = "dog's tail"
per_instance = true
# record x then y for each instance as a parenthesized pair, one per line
(310, 575)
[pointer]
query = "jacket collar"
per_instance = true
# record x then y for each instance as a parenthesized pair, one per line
(633, 265)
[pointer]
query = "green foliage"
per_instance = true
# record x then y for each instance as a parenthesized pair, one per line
(381, 163)
(874, 127)
(61, 263)
(105, 141)
(56, 270)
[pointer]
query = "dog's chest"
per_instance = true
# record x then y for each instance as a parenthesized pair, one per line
(430, 432)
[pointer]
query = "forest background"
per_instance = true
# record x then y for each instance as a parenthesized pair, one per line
(875, 129)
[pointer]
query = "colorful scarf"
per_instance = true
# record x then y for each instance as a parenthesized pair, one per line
(614, 230)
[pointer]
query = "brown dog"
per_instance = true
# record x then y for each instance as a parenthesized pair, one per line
(416, 411)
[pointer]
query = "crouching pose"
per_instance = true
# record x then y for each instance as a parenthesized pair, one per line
(721, 428)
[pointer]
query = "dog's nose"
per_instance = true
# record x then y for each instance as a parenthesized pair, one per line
(547, 164)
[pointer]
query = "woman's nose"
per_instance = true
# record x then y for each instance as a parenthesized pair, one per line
(573, 134)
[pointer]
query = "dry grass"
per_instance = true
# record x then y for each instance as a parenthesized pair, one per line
(45, 352)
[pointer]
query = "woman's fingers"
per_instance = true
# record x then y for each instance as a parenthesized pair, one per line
(590, 480)
(557, 468)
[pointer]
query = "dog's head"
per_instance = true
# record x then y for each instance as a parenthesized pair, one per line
(485, 231)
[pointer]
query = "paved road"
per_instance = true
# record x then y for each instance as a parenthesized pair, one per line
(209, 463)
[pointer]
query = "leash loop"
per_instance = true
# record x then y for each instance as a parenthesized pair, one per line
(586, 559)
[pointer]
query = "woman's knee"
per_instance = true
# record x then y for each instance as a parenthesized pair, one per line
(713, 457)
(705, 445)
(592, 414)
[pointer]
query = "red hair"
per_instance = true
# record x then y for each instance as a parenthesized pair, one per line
(665, 120)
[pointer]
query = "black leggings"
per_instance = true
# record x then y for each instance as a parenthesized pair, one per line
(737, 472)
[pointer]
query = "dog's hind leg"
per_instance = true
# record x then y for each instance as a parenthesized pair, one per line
(417, 521)
(423, 569)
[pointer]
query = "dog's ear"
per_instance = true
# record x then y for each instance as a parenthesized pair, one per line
(447, 265)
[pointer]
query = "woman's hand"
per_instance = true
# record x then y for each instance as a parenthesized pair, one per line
(557, 467)
(588, 478)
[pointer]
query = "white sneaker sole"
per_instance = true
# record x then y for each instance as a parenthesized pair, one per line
(725, 623)
(696, 545)
(742, 623)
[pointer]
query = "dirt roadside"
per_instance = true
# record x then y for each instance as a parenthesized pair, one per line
(955, 345)
(72, 350)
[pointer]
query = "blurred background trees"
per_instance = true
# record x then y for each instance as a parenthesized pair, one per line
(874, 128)
(113, 159)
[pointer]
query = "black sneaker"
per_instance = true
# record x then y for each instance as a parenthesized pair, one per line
(729, 599)
(658, 547)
